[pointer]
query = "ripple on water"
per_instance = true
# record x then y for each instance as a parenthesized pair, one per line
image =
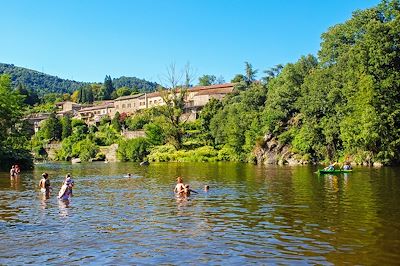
(250, 215)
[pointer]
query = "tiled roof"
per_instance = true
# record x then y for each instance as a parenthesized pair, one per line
(97, 107)
(61, 103)
(213, 89)
(225, 90)
(127, 97)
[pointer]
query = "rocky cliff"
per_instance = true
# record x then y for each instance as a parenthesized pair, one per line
(271, 151)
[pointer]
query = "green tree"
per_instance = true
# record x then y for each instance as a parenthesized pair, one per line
(85, 94)
(250, 73)
(66, 127)
(52, 128)
(107, 89)
(12, 137)
(134, 150)
(31, 97)
(207, 80)
(115, 122)
(174, 99)
(154, 133)
(206, 115)
(123, 91)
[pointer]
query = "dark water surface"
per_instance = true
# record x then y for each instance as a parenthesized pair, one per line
(252, 214)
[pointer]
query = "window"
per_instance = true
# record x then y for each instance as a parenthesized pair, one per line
(123, 105)
(129, 105)
(117, 106)
(151, 102)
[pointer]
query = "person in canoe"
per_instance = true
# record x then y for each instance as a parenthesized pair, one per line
(330, 167)
(347, 166)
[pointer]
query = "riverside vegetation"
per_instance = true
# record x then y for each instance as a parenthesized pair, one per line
(343, 104)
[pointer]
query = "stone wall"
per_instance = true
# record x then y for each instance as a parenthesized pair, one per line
(133, 134)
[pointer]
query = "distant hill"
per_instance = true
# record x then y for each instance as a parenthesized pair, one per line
(132, 82)
(43, 83)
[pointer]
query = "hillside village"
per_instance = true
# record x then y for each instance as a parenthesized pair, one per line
(197, 98)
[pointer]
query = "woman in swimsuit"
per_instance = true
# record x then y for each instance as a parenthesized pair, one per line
(66, 190)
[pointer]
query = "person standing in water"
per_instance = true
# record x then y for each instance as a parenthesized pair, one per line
(66, 189)
(12, 172)
(17, 169)
(44, 184)
(179, 186)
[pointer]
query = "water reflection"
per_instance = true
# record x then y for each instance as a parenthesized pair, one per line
(15, 183)
(251, 214)
(63, 205)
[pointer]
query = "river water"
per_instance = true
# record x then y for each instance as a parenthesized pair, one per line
(251, 214)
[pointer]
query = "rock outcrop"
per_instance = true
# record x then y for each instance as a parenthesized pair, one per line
(271, 151)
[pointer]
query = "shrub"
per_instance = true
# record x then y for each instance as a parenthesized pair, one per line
(133, 149)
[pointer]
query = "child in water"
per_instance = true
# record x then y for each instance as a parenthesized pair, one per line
(186, 191)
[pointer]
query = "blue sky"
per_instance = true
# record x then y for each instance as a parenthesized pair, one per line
(86, 40)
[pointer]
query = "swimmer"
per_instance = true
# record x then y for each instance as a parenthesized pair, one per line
(44, 183)
(186, 191)
(206, 188)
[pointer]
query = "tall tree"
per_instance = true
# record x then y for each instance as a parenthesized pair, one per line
(66, 127)
(107, 88)
(250, 73)
(11, 136)
(115, 122)
(52, 128)
(174, 98)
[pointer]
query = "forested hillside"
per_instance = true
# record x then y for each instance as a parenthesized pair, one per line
(43, 83)
(140, 85)
(40, 82)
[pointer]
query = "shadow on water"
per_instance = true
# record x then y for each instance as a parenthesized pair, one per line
(251, 214)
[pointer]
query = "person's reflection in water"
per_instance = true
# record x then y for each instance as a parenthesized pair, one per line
(333, 183)
(345, 180)
(15, 182)
(63, 205)
(44, 198)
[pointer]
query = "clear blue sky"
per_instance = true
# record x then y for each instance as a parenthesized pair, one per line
(85, 40)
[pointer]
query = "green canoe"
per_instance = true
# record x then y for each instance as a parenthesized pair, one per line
(322, 171)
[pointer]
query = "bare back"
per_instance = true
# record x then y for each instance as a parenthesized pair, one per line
(179, 188)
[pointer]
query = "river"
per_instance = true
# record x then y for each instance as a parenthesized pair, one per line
(251, 214)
